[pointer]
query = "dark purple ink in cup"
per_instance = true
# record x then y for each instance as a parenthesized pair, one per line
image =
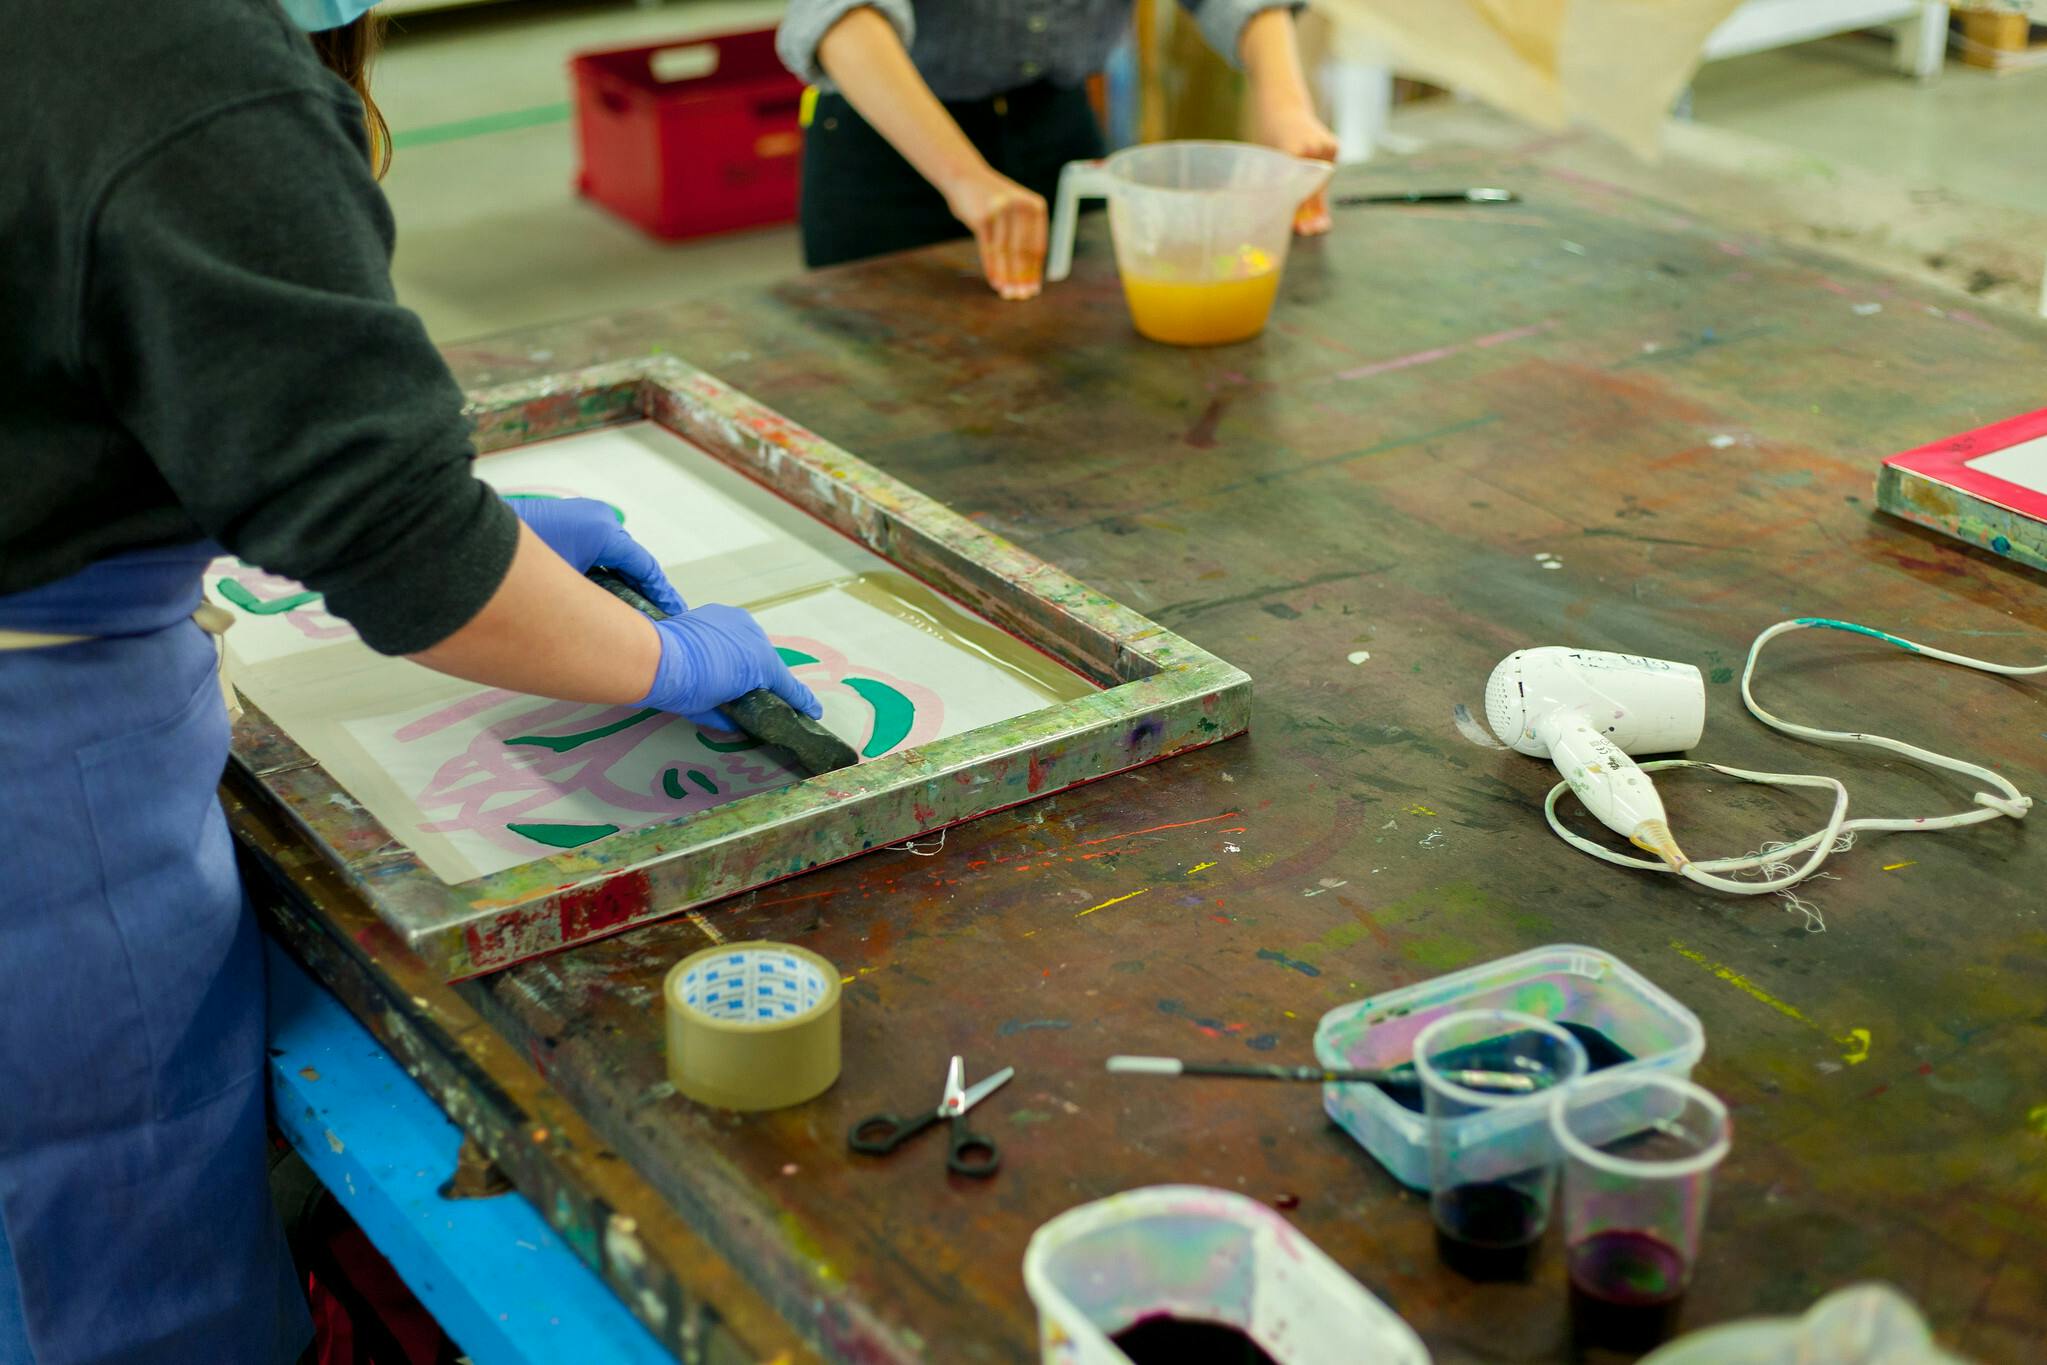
(1166, 1340)
(1488, 1232)
(1626, 1289)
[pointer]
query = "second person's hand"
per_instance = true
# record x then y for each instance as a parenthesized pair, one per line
(1294, 129)
(712, 654)
(1009, 225)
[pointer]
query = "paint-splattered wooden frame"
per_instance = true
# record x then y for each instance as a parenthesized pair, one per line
(1161, 696)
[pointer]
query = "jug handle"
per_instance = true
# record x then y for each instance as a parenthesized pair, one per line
(1078, 180)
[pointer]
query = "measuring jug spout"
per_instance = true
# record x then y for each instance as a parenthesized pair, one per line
(1310, 178)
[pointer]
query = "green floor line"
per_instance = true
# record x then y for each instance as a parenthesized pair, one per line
(456, 130)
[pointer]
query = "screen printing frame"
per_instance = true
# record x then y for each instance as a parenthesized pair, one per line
(1938, 486)
(1161, 696)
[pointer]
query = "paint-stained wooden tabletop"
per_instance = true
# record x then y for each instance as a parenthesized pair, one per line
(1586, 419)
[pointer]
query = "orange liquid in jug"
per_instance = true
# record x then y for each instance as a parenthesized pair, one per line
(1230, 306)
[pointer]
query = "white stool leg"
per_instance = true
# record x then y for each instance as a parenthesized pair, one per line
(1921, 43)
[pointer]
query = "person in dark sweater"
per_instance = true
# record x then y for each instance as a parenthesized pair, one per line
(202, 352)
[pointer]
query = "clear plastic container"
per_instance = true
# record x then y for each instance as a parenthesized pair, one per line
(1191, 1252)
(1201, 231)
(1565, 983)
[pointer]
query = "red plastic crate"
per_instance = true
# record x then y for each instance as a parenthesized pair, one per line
(696, 136)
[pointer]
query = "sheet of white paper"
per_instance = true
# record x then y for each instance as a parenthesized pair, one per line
(2024, 464)
(476, 780)
(679, 515)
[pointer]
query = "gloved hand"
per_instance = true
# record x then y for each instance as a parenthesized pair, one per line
(713, 654)
(588, 535)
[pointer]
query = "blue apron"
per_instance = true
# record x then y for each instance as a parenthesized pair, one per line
(135, 1215)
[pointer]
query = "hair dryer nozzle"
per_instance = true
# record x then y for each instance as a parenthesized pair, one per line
(1653, 836)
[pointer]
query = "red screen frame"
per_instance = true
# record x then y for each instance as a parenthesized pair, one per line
(1948, 462)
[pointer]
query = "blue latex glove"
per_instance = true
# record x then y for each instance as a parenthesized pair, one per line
(587, 534)
(713, 654)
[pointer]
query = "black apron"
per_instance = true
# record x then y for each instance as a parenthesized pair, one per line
(861, 198)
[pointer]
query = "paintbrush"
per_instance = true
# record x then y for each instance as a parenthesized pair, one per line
(760, 712)
(1320, 1075)
(1478, 195)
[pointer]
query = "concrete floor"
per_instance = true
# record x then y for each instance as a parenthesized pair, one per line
(1972, 134)
(492, 234)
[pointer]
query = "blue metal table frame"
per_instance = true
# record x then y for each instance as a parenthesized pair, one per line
(491, 1271)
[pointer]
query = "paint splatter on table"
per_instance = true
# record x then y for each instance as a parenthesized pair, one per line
(1607, 423)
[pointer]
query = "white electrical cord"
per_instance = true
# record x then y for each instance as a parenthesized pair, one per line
(2008, 801)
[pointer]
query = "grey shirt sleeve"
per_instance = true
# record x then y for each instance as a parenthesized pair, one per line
(1222, 21)
(238, 319)
(808, 21)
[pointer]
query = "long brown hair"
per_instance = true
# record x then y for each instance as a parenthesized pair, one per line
(348, 52)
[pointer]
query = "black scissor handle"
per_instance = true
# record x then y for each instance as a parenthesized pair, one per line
(971, 1154)
(880, 1134)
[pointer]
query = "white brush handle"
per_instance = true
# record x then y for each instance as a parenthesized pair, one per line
(1147, 1066)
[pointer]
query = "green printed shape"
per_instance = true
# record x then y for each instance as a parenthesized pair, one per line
(561, 744)
(894, 714)
(727, 746)
(795, 658)
(671, 782)
(564, 836)
(256, 606)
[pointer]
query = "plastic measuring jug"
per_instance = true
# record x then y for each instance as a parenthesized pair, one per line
(1201, 232)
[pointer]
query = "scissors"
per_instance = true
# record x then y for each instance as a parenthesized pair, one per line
(970, 1153)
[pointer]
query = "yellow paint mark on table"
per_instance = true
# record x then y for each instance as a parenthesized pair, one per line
(1113, 900)
(1856, 1040)
(2036, 1119)
(1741, 983)
(1199, 867)
(1419, 810)
(1893, 867)
(799, 1239)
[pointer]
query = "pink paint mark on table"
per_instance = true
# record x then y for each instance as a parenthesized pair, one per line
(1435, 353)
(1514, 334)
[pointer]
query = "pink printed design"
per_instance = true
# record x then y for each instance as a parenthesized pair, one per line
(257, 593)
(830, 673)
(516, 770)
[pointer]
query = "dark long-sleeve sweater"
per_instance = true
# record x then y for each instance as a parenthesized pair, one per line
(198, 337)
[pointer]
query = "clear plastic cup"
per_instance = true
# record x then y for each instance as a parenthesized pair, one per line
(1492, 1175)
(1634, 1205)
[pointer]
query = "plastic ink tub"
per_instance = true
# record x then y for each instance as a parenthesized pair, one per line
(1628, 1024)
(1207, 1256)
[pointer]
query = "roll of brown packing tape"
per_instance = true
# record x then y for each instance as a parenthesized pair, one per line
(753, 1025)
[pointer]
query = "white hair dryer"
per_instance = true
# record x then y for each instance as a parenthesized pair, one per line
(1586, 710)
